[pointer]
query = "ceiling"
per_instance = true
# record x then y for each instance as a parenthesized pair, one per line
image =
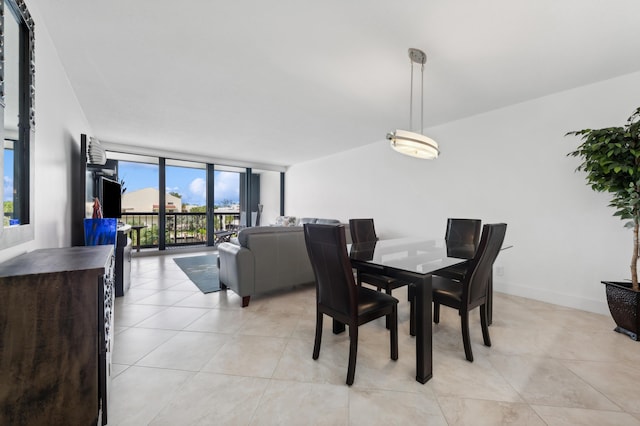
(285, 81)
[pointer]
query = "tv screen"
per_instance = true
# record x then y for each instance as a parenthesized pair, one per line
(111, 198)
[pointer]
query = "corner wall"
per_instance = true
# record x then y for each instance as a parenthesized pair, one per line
(507, 165)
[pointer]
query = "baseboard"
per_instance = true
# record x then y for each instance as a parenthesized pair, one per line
(545, 295)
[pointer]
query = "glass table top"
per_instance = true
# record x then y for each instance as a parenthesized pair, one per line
(416, 255)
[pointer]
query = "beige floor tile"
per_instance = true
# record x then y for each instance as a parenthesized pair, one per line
(186, 285)
(116, 369)
(133, 344)
(375, 407)
(273, 324)
(255, 356)
(213, 399)
(164, 298)
(296, 300)
(163, 283)
(620, 382)
(134, 314)
(185, 351)
(544, 381)
(562, 416)
(454, 376)
(297, 361)
(226, 321)
(173, 318)
(294, 403)
(459, 411)
(306, 327)
(138, 394)
(164, 274)
(135, 294)
(117, 330)
(577, 344)
(199, 299)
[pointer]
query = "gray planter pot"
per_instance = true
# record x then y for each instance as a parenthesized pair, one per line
(624, 305)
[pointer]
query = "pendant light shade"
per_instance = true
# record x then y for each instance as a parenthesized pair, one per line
(408, 142)
(414, 144)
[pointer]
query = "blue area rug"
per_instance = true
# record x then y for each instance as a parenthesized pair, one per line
(202, 271)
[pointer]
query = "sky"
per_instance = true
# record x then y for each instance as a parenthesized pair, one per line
(190, 183)
(8, 175)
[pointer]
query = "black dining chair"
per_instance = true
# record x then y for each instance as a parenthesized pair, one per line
(364, 231)
(337, 294)
(472, 291)
(462, 237)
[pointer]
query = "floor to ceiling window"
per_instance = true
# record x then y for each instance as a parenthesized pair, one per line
(139, 177)
(228, 213)
(184, 203)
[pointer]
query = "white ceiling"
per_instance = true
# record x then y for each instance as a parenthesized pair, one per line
(285, 81)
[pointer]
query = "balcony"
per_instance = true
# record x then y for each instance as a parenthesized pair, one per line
(182, 229)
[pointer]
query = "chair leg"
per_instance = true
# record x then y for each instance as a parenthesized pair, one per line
(338, 327)
(484, 322)
(464, 319)
(353, 353)
(490, 298)
(316, 345)
(392, 318)
(436, 312)
(387, 323)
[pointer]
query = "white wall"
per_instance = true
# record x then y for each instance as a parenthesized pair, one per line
(507, 165)
(269, 196)
(59, 123)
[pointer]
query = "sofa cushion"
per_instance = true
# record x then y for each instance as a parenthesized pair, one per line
(304, 220)
(243, 234)
(327, 221)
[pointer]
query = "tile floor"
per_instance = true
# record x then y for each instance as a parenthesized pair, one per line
(185, 358)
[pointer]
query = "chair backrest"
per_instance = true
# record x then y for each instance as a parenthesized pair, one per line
(362, 230)
(335, 286)
(477, 279)
(463, 232)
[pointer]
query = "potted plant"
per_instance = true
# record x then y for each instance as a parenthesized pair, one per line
(611, 159)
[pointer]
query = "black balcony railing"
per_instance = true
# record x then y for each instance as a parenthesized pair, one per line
(182, 229)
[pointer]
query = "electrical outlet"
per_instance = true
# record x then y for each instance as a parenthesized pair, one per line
(499, 271)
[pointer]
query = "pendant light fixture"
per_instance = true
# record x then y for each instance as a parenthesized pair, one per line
(409, 142)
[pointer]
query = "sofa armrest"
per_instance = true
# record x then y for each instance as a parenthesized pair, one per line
(237, 270)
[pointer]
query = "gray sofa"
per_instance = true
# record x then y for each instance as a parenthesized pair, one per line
(266, 258)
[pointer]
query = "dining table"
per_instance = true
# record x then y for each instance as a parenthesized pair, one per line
(413, 260)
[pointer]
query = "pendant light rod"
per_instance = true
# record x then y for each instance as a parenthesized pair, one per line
(417, 56)
(409, 142)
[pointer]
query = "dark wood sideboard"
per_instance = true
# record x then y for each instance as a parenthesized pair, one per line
(56, 334)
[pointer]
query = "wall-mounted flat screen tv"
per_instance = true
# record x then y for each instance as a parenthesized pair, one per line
(111, 198)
